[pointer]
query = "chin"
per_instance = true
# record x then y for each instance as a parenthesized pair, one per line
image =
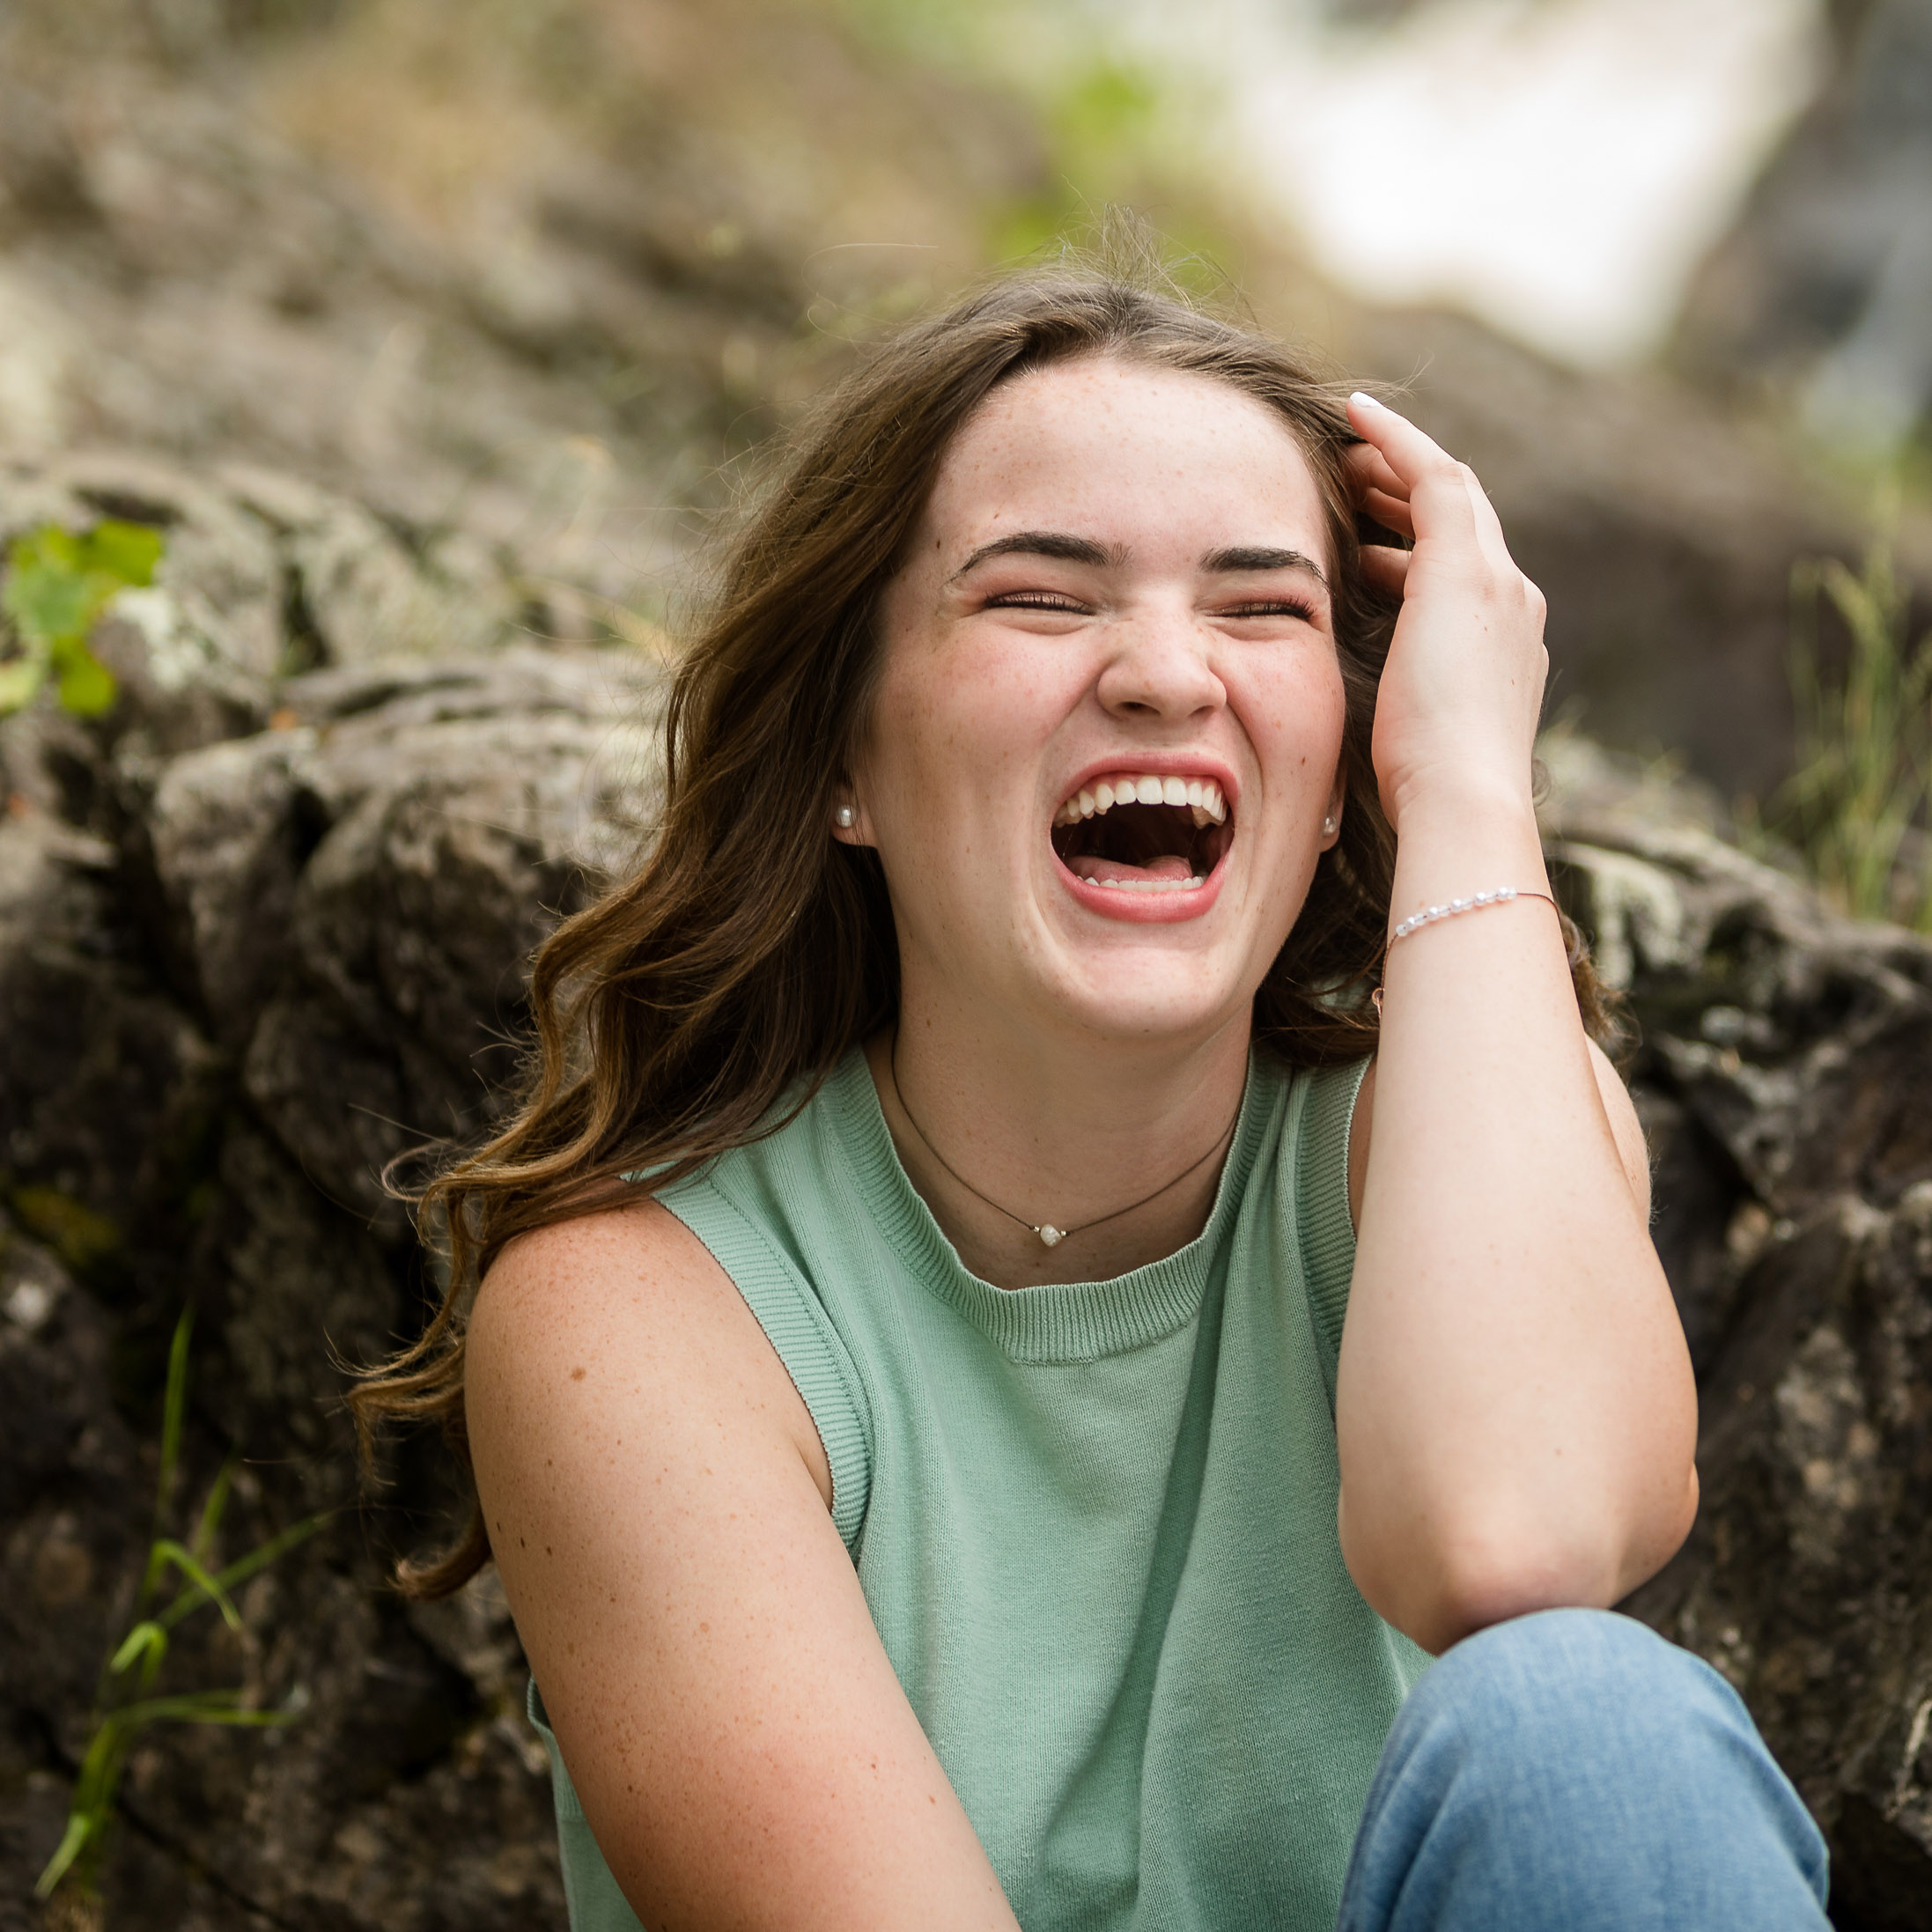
(1143, 1002)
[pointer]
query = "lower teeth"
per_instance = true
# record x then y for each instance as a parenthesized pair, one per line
(1154, 885)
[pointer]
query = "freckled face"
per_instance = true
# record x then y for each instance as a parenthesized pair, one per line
(1109, 714)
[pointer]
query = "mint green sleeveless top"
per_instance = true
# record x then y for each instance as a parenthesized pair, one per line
(1095, 1522)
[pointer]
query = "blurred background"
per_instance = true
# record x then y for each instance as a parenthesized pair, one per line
(542, 270)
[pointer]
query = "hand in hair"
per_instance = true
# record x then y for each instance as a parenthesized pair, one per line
(1463, 689)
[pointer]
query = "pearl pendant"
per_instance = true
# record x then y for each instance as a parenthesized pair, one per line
(1050, 1234)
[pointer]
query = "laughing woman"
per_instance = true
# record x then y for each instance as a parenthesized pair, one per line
(1068, 1233)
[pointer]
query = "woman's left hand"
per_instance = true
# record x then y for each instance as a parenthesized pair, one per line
(1455, 718)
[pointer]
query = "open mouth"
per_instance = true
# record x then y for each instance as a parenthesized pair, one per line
(1141, 832)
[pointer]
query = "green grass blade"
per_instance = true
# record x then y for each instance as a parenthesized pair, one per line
(145, 1644)
(177, 1704)
(100, 1769)
(145, 1638)
(77, 1834)
(184, 1559)
(175, 1405)
(245, 1566)
(173, 1411)
(1863, 772)
(199, 1707)
(203, 1541)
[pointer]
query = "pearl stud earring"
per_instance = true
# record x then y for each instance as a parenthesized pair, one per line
(1328, 824)
(844, 818)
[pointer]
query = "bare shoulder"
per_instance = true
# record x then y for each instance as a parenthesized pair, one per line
(733, 1726)
(1619, 1113)
(591, 1323)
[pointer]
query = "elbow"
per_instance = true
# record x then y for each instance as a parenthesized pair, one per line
(1440, 1587)
(1663, 1532)
(1438, 1582)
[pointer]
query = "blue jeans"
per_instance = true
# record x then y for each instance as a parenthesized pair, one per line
(1572, 1772)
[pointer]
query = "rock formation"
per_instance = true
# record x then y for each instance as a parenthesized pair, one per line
(1785, 1079)
(257, 933)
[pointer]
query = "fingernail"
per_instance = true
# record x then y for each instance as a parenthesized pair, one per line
(1367, 401)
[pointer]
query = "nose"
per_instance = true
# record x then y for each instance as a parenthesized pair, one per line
(1161, 668)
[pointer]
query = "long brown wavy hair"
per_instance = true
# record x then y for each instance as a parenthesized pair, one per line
(701, 1003)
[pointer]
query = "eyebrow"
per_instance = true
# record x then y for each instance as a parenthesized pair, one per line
(1054, 543)
(1083, 550)
(1243, 559)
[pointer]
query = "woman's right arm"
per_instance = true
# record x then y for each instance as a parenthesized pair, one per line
(659, 1505)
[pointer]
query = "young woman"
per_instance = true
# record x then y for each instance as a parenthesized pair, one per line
(1068, 1233)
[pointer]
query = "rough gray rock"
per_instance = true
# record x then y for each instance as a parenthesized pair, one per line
(107, 1088)
(403, 845)
(1785, 1073)
(263, 575)
(70, 1479)
(552, 393)
(233, 980)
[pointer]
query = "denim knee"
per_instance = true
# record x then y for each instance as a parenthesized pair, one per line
(1546, 1684)
(1573, 1766)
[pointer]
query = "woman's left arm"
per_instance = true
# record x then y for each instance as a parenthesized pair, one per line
(1515, 1409)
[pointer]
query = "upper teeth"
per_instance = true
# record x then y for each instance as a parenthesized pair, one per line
(1203, 796)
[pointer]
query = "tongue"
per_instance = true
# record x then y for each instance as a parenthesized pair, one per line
(1169, 866)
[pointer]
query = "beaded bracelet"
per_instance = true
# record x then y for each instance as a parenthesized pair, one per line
(1429, 914)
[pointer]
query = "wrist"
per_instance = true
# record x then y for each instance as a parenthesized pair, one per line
(1464, 808)
(1452, 844)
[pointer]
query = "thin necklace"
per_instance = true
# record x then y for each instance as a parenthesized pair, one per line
(1050, 1236)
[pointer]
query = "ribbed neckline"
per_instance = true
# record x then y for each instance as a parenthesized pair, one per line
(1060, 1322)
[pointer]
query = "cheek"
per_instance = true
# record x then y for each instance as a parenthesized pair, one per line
(966, 707)
(1296, 711)
(906, 722)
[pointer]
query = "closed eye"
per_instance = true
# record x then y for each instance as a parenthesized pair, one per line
(1033, 600)
(1273, 607)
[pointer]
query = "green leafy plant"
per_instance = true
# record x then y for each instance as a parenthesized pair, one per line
(57, 584)
(126, 1701)
(1856, 806)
